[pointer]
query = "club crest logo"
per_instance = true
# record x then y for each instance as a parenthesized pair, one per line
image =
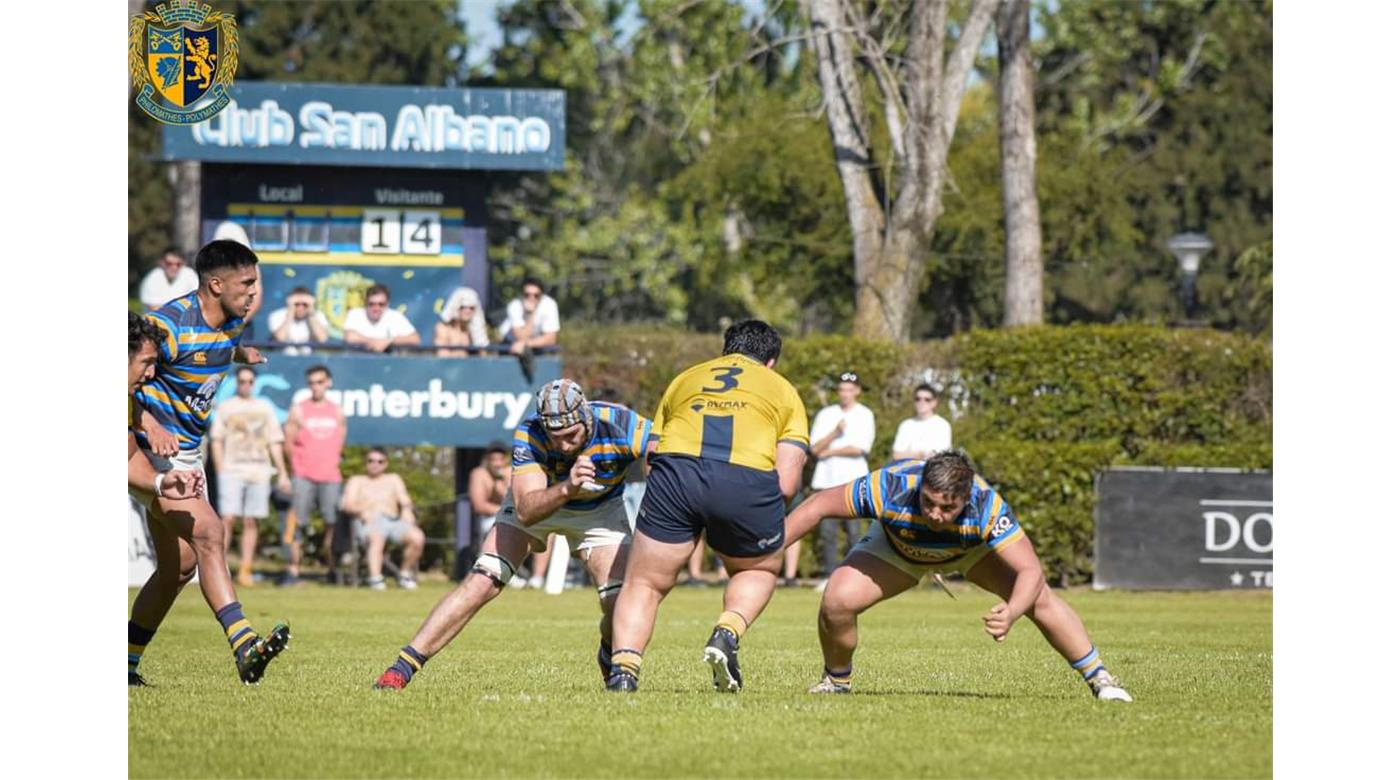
(339, 292)
(182, 58)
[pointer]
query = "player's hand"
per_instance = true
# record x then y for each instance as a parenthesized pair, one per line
(163, 442)
(581, 474)
(182, 484)
(249, 355)
(998, 622)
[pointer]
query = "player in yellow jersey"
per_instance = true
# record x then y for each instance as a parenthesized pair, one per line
(733, 442)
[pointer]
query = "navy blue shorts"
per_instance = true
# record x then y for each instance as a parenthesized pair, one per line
(741, 510)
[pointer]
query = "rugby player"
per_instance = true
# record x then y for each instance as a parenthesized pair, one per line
(568, 466)
(141, 338)
(733, 439)
(198, 341)
(934, 517)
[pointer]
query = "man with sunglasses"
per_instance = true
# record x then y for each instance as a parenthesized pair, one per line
(924, 434)
(246, 442)
(532, 320)
(299, 323)
(569, 465)
(383, 512)
(376, 327)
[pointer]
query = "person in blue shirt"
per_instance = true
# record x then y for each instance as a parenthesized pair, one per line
(934, 517)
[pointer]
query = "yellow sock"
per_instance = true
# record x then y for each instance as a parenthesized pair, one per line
(732, 622)
(629, 661)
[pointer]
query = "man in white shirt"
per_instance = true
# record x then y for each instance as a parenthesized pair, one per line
(842, 435)
(377, 327)
(924, 434)
(532, 320)
(299, 323)
(168, 280)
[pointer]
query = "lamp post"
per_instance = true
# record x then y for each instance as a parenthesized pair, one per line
(1189, 248)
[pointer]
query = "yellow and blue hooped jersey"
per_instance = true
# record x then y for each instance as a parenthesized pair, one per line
(732, 409)
(620, 436)
(891, 495)
(191, 361)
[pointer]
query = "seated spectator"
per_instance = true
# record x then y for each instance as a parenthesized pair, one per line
(532, 320)
(924, 434)
(463, 325)
(299, 323)
(378, 327)
(170, 279)
(383, 512)
(487, 485)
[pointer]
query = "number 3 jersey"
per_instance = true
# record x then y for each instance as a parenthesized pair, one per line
(732, 409)
(620, 436)
(192, 359)
(891, 495)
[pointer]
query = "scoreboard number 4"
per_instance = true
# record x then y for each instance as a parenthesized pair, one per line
(393, 232)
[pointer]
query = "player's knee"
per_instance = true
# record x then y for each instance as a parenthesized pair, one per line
(494, 570)
(837, 605)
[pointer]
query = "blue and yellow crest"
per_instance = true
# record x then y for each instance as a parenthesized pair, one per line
(182, 58)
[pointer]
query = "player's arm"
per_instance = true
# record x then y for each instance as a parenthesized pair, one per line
(479, 490)
(790, 460)
(536, 499)
(405, 501)
(823, 503)
(248, 355)
(163, 442)
(140, 474)
(1030, 579)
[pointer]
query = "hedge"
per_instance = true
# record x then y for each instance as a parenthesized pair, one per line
(1040, 409)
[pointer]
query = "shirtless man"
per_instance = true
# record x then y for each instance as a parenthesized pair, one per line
(384, 513)
(487, 485)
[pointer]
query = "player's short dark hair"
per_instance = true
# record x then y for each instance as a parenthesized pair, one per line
(140, 330)
(219, 255)
(926, 387)
(951, 472)
(754, 338)
(375, 289)
(533, 281)
(497, 446)
(318, 369)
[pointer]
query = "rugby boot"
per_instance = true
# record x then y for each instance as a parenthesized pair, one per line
(604, 659)
(828, 685)
(1107, 688)
(257, 654)
(621, 682)
(722, 654)
(135, 680)
(391, 680)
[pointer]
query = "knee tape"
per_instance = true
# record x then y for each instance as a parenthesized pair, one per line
(494, 566)
(609, 590)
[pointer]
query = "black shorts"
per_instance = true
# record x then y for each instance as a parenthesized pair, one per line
(741, 510)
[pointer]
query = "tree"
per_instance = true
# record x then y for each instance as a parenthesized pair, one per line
(892, 211)
(1016, 108)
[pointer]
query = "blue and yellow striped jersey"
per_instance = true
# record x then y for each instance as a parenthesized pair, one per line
(891, 495)
(732, 409)
(620, 436)
(191, 363)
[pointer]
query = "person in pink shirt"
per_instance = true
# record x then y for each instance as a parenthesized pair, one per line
(314, 438)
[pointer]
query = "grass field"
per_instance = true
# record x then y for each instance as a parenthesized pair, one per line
(518, 693)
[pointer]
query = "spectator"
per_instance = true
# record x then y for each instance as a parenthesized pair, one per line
(924, 434)
(299, 323)
(842, 435)
(315, 436)
(487, 485)
(378, 327)
(246, 441)
(532, 320)
(170, 279)
(379, 501)
(463, 325)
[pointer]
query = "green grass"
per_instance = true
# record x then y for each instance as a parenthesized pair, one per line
(518, 693)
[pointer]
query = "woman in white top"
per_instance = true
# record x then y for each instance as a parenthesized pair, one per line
(920, 436)
(463, 325)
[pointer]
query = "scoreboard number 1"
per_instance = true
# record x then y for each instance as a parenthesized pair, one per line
(393, 232)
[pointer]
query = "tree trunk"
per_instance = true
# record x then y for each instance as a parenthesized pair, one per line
(1016, 108)
(185, 223)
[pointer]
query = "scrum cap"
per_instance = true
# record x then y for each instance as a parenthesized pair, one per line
(561, 403)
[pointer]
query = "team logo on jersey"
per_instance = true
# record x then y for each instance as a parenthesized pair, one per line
(200, 358)
(1003, 524)
(182, 58)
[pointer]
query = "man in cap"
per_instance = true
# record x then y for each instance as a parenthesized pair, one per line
(569, 462)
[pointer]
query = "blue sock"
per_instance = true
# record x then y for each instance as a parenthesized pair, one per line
(409, 662)
(236, 627)
(1089, 665)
